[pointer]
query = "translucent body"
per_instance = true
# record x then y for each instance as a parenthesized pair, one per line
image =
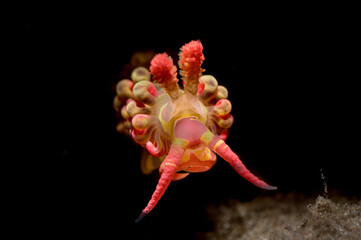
(181, 129)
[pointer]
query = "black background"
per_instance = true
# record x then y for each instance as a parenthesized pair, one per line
(292, 81)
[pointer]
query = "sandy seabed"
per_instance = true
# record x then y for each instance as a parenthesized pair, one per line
(287, 217)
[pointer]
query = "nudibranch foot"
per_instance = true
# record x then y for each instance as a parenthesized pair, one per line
(180, 176)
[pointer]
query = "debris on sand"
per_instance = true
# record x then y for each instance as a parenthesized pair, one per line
(289, 217)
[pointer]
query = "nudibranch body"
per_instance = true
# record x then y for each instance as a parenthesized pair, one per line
(181, 128)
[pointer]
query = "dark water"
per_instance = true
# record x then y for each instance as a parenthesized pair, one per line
(292, 85)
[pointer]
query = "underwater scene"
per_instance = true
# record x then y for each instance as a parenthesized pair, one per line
(211, 127)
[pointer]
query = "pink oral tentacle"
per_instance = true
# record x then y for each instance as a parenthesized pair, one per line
(170, 167)
(224, 151)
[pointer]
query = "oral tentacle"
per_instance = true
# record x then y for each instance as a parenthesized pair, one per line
(168, 171)
(225, 152)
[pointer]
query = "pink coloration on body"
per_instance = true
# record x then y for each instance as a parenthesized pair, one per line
(181, 129)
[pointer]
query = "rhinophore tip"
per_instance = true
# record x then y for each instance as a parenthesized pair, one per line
(163, 70)
(190, 60)
(165, 73)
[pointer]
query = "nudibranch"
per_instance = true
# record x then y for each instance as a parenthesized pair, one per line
(182, 128)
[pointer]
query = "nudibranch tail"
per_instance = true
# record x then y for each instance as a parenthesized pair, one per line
(224, 151)
(190, 60)
(168, 170)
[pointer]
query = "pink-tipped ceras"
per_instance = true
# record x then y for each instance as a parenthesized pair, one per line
(181, 129)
